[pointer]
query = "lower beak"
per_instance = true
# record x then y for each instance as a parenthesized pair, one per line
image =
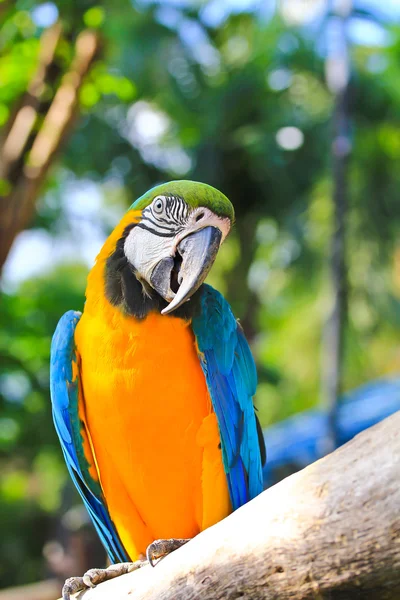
(177, 279)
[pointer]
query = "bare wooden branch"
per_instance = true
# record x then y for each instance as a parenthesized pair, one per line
(19, 129)
(329, 531)
(25, 156)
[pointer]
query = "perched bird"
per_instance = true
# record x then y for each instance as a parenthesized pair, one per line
(152, 385)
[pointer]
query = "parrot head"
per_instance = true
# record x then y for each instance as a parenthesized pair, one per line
(172, 246)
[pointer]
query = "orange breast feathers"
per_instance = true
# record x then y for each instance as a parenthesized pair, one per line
(149, 417)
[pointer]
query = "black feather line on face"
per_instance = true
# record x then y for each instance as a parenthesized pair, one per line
(149, 220)
(171, 234)
(124, 290)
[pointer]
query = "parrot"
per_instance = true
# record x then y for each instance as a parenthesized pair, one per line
(152, 385)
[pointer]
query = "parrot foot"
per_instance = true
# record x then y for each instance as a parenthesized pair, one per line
(160, 548)
(95, 576)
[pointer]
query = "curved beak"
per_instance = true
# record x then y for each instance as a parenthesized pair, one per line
(177, 278)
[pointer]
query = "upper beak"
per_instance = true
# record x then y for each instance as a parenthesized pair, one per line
(177, 279)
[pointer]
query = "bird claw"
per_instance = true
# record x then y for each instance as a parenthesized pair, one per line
(92, 577)
(160, 548)
(95, 576)
(72, 585)
(155, 552)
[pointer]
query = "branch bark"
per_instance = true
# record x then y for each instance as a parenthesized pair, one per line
(329, 531)
(26, 155)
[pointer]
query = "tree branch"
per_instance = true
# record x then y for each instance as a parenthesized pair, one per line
(26, 155)
(329, 531)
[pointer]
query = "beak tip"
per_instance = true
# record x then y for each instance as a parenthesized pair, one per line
(172, 306)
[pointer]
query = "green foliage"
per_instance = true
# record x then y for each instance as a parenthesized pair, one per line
(32, 470)
(174, 97)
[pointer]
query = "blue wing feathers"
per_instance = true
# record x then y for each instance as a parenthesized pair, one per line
(231, 378)
(245, 359)
(64, 396)
(237, 485)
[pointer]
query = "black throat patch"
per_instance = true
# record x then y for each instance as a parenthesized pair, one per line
(123, 288)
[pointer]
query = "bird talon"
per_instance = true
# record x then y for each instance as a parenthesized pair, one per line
(158, 549)
(87, 580)
(71, 586)
(95, 576)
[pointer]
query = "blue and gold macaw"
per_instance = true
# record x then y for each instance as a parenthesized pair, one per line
(152, 385)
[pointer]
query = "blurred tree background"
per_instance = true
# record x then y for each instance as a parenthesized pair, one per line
(101, 101)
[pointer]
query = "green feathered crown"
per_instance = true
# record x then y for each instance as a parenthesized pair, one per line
(194, 193)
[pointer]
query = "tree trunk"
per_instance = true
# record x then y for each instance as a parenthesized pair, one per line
(329, 531)
(337, 73)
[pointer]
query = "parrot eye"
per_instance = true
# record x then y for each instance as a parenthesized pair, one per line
(158, 205)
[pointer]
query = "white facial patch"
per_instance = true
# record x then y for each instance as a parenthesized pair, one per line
(164, 224)
(144, 250)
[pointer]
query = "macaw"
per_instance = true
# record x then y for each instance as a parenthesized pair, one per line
(152, 384)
